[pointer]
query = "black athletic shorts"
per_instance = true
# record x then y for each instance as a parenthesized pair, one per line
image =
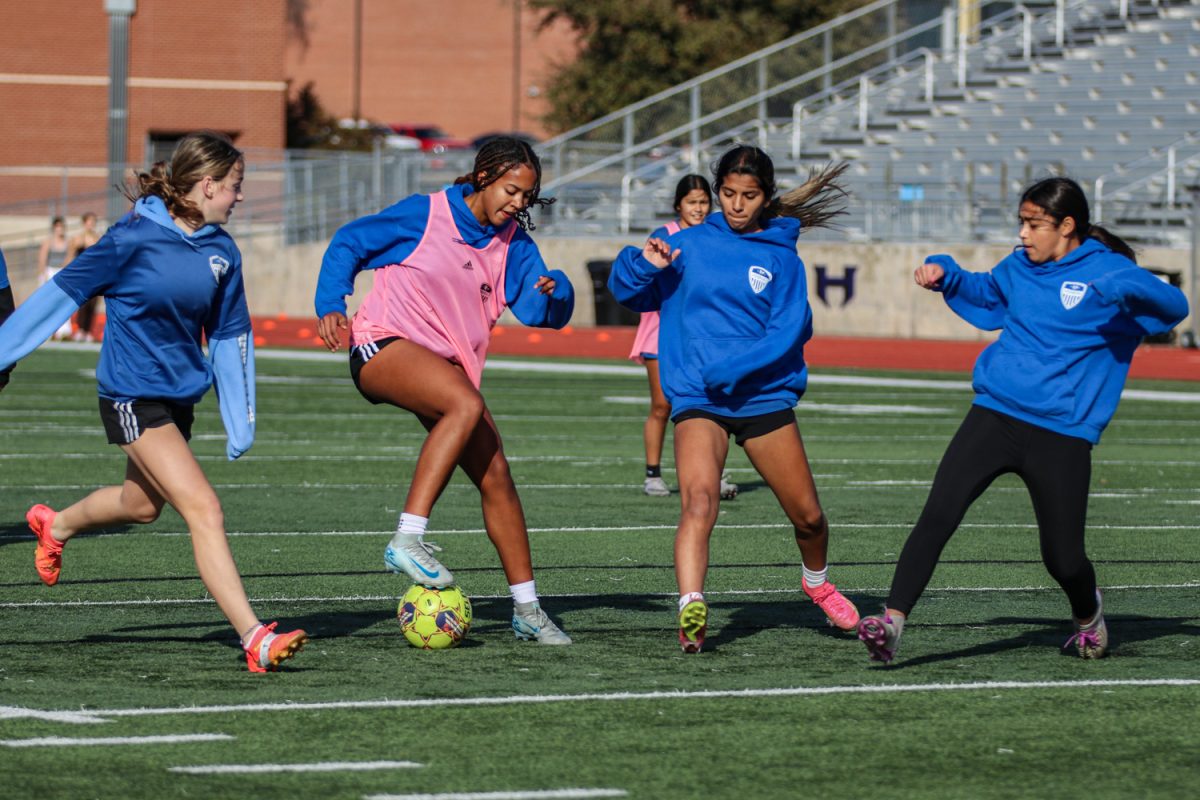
(125, 421)
(742, 428)
(6, 309)
(360, 354)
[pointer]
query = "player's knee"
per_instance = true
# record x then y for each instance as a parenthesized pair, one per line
(810, 524)
(468, 408)
(207, 515)
(498, 477)
(141, 510)
(660, 411)
(700, 503)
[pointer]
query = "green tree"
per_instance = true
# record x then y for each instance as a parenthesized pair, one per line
(634, 48)
(309, 125)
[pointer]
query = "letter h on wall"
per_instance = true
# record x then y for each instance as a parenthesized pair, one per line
(846, 282)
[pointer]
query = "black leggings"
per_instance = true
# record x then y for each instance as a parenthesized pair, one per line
(1056, 470)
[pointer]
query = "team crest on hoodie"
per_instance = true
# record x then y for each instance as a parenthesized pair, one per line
(1071, 293)
(759, 278)
(219, 267)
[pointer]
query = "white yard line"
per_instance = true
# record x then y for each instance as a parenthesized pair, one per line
(62, 741)
(619, 697)
(382, 598)
(528, 794)
(319, 766)
(632, 528)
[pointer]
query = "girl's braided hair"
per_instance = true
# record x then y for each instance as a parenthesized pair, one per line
(497, 157)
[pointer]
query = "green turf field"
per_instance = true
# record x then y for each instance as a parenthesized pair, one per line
(982, 702)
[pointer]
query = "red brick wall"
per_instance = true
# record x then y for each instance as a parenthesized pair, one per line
(60, 122)
(450, 63)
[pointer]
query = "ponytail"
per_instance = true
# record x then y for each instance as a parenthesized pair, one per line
(198, 155)
(1112, 241)
(1061, 198)
(816, 202)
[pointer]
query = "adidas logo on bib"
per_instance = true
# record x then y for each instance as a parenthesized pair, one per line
(759, 278)
(1071, 293)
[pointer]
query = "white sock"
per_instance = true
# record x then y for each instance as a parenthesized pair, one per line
(814, 577)
(684, 599)
(524, 592)
(410, 525)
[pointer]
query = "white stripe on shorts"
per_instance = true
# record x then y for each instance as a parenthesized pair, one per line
(128, 420)
(367, 351)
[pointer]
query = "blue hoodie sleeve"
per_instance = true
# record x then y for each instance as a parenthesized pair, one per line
(3, 272)
(528, 304)
(34, 322)
(977, 297)
(1153, 305)
(368, 243)
(636, 283)
(782, 343)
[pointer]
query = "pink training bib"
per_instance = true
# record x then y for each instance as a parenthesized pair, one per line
(646, 338)
(446, 296)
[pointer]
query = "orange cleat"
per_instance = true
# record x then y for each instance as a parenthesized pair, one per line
(267, 650)
(47, 557)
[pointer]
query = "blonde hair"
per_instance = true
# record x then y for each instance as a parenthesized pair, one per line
(198, 155)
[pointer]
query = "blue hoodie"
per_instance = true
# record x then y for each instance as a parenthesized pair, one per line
(734, 316)
(392, 235)
(163, 289)
(1069, 329)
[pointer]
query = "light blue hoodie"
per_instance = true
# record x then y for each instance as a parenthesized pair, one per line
(1069, 329)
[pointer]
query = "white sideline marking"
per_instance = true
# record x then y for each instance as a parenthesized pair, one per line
(627, 528)
(320, 766)
(528, 794)
(805, 405)
(868, 408)
(799, 691)
(373, 598)
(394, 457)
(62, 741)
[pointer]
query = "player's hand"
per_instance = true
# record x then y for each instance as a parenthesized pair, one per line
(929, 275)
(328, 327)
(659, 253)
(545, 284)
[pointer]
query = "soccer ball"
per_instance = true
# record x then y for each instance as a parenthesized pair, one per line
(434, 619)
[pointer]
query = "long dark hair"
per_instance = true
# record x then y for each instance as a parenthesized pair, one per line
(199, 154)
(688, 184)
(816, 202)
(1061, 198)
(497, 157)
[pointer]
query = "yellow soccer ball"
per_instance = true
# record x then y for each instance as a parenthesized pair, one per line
(434, 619)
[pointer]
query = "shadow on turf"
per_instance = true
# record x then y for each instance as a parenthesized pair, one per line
(1124, 630)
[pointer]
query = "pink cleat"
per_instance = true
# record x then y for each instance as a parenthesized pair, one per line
(838, 610)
